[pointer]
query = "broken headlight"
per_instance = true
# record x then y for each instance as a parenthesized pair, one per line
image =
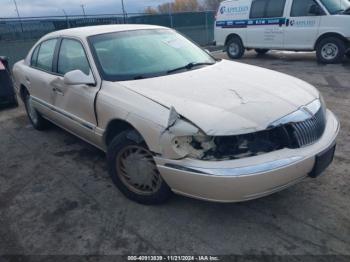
(231, 147)
(193, 146)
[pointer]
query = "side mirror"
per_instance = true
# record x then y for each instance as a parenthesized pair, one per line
(77, 77)
(316, 10)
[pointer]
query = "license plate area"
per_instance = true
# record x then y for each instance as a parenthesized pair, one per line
(323, 160)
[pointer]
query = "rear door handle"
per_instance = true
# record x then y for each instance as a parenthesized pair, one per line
(58, 91)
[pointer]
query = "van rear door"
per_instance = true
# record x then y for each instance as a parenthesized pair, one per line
(303, 24)
(266, 24)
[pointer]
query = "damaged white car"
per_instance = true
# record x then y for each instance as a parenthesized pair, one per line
(171, 118)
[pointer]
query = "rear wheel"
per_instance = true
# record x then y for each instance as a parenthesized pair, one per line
(37, 121)
(330, 50)
(261, 51)
(15, 101)
(134, 171)
(235, 48)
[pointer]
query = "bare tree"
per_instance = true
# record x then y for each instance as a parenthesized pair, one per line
(211, 4)
(151, 10)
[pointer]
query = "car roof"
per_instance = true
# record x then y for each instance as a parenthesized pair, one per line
(84, 32)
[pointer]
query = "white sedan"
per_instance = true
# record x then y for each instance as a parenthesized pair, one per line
(172, 118)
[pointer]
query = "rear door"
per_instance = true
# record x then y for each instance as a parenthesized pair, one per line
(266, 24)
(302, 25)
(39, 75)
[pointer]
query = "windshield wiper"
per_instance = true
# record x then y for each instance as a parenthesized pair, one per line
(189, 66)
(339, 11)
(347, 11)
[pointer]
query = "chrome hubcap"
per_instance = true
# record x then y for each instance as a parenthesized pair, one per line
(329, 51)
(138, 171)
(33, 114)
(233, 49)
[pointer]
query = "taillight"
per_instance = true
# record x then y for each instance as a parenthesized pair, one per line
(2, 67)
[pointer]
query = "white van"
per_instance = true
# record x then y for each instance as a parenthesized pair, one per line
(297, 25)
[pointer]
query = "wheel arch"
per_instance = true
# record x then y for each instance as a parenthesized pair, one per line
(231, 36)
(23, 90)
(330, 34)
(115, 127)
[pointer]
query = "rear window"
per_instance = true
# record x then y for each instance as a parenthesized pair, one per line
(267, 8)
(34, 56)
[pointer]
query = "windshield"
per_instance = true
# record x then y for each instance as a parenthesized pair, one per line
(336, 6)
(142, 54)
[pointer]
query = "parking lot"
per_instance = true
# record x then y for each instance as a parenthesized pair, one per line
(56, 196)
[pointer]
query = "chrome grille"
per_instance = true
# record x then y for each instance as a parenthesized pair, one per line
(310, 130)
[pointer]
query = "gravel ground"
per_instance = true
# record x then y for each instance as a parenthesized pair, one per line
(56, 197)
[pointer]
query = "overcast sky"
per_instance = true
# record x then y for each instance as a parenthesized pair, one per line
(72, 7)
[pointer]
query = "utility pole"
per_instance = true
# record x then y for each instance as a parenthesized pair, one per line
(170, 15)
(19, 17)
(83, 8)
(65, 14)
(124, 13)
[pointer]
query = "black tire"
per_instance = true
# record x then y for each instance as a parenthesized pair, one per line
(348, 54)
(120, 144)
(15, 101)
(38, 122)
(261, 51)
(235, 48)
(330, 50)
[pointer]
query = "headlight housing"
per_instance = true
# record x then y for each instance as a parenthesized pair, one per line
(323, 104)
(230, 147)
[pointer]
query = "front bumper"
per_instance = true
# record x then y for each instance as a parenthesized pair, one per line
(248, 178)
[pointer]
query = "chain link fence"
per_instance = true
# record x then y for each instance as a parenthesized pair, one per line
(18, 36)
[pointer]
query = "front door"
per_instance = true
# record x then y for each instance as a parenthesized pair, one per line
(303, 25)
(75, 104)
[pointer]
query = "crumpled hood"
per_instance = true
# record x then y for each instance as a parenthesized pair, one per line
(228, 98)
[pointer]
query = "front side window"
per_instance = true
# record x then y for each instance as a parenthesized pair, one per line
(46, 54)
(336, 6)
(141, 54)
(302, 8)
(267, 8)
(72, 57)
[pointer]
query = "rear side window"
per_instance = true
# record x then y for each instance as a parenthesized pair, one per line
(267, 8)
(46, 54)
(275, 8)
(72, 57)
(302, 8)
(35, 56)
(258, 8)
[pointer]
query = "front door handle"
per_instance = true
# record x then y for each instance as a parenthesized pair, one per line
(58, 91)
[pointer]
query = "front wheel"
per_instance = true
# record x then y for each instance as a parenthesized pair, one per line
(134, 171)
(235, 48)
(330, 50)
